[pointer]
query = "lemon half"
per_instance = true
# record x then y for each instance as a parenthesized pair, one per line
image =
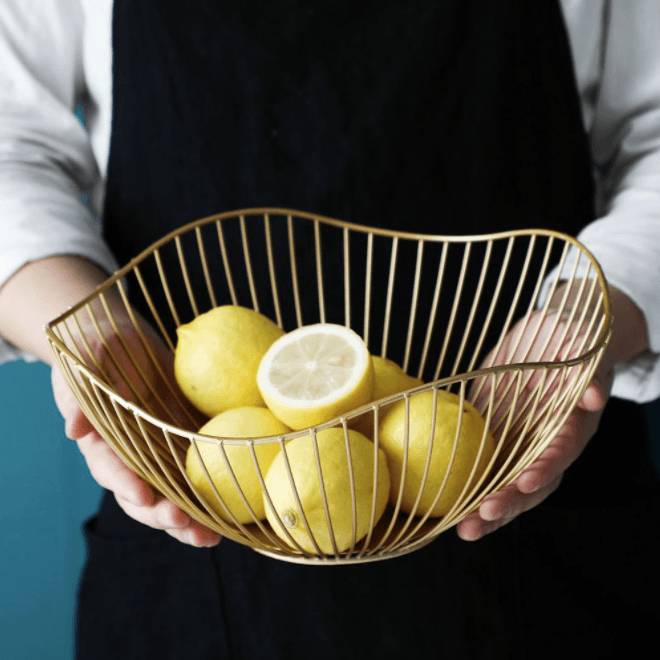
(316, 373)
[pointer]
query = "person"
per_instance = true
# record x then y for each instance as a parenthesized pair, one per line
(376, 113)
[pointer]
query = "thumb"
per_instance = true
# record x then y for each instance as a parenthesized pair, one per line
(76, 424)
(598, 391)
(594, 397)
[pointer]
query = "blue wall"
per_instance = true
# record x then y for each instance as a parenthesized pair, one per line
(46, 494)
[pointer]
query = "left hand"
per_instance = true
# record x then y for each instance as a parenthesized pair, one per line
(539, 480)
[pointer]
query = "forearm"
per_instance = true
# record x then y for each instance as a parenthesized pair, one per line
(39, 292)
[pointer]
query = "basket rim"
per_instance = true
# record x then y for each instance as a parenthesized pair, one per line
(599, 344)
(262, 211)
(340, 420)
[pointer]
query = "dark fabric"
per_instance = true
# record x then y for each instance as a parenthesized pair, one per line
(453, 117)
(438, 117)
(145, 595)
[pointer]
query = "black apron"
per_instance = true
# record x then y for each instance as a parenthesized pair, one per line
(446, 117)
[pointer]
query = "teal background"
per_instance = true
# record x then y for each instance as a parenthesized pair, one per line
(46, 494)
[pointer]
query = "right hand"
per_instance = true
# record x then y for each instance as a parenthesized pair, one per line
(132, 493)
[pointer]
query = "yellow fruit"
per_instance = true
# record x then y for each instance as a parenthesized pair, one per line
(392, 440)
(337, 485)
(389, 378)
(247, 422)
(316, 373)
(217, 357)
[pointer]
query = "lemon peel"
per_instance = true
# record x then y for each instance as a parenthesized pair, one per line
(332, 453)
(244, 422)
(217, 356)
(392, 438)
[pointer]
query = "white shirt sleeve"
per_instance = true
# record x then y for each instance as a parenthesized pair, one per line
(625, 142)
(46, 162)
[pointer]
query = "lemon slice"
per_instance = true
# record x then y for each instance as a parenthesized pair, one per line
(315, 373)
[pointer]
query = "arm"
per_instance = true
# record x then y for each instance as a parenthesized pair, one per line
(51, 253)
(40, 291)
(46, 161)
(622, 108)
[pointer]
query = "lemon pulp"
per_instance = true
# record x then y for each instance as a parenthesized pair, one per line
(315, 373)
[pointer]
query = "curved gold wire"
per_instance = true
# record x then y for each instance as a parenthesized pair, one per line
(524, 399)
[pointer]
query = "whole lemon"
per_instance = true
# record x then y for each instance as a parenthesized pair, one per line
(336, 485)
(392, 440)
(217, 356)
(246, 422)
(389, 378)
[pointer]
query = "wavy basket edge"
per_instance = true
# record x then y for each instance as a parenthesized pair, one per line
(600, 342)
(413, 534)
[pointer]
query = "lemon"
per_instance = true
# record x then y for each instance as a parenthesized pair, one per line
(389, 378)
(316, 373)
(217, 357)
(246, 422)
(336, 485)
(392, 440)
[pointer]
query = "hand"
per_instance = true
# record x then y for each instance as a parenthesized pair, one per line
(544, 475)
(132, 493)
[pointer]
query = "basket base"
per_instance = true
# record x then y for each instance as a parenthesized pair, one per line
(342, 560)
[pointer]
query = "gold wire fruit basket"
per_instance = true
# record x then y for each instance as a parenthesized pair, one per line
(514, 323)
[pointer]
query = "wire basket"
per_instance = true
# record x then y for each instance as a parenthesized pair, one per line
(513, 322)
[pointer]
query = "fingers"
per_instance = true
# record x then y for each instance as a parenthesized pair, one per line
(76, 425)
(597, 393)
(165, 515)
(132, 493)
(109, 471)
(593, 398)
(560, 454)
(536, 483)
(501, 508)
(136, 497)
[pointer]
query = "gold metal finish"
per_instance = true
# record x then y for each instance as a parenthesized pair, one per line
(475, 315)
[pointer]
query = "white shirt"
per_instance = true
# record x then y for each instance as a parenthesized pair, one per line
(56, 54)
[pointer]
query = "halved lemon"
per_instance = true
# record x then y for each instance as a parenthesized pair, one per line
(316, 373)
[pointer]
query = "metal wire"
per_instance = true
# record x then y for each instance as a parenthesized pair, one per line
(456, 297)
